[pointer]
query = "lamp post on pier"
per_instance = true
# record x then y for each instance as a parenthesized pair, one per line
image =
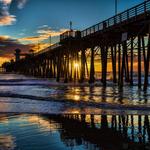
(50, 40)
(70, 25)
(116, 7)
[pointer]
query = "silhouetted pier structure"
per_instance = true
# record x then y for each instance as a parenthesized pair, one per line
(115, 132)
(123, 40)
(2, 70)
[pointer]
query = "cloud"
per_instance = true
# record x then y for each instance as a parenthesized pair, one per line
(43, 34)
(7, 20)
(21, 34)
(21, 3)
(5, 17)
(47, 31)
(31, 39)
(7, 40)
(43, 26)
(6, 2)
(8, 45)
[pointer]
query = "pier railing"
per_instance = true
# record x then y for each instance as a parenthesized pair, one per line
(119, 18)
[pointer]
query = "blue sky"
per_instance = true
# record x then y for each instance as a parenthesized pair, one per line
(57, 14)
(31, 21)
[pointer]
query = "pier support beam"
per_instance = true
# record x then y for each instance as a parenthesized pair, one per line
(58, 67)
(113, 58)
(66, 67)
(126, 66)
(147, 65)
(104, 51)
(47, 68)
(119, 62)
(92, 70)
(83, 61)
(139, 61)
(131, 64)
(124, 45)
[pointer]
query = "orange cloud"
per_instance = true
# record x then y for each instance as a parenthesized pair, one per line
(5, 17)
(7, 20)
(31, 39)
(48, 32)
(6, 2)
(43, 35)
(4, 37)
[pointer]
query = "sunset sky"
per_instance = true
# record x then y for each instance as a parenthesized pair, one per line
(24, 23)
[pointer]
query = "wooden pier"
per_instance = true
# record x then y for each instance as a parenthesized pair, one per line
(123, 40)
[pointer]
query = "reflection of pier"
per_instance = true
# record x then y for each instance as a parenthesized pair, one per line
(121, 39)
(106, 132)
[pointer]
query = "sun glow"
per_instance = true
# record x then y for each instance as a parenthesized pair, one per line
(76, 65)
(76, 97)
